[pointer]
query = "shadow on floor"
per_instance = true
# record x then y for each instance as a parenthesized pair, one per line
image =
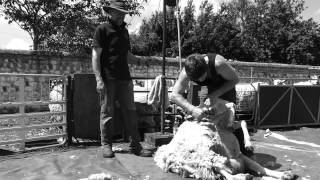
(267, 160)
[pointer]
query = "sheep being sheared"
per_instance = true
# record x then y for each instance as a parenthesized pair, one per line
(209, 150)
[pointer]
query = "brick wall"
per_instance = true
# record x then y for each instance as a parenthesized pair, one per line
(59, 63)
(35, 62)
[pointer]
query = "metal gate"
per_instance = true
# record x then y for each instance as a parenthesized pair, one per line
(32, 111)
(281, 106)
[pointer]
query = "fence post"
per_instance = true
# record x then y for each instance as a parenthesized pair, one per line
(22, 121)
(69, 115)
(64, 105)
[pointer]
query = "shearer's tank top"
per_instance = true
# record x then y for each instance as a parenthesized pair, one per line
(215, 80)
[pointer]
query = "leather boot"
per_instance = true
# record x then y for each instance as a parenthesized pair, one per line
(107, 151)
(138, 150)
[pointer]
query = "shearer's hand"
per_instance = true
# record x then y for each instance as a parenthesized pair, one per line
(198, 113)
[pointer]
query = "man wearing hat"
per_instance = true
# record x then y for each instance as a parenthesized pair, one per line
(109, 61)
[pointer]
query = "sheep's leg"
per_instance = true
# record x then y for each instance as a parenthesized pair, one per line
(262, 171)
(243, 124)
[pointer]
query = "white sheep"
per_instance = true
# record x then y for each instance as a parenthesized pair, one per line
(56, 94)
(314, 80)
(278, 82)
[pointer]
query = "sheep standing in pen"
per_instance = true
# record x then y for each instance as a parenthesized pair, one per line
(56, 95)
(314, 80)
(209, 150)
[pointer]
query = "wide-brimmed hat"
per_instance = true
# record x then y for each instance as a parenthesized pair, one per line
(119, 5)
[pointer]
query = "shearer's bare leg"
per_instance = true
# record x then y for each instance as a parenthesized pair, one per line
(247, 142)
(236, 124)
(234, 170)
(242, 124)
(262, 171)
(229, 176)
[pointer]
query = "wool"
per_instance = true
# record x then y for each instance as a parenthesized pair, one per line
(193, 149)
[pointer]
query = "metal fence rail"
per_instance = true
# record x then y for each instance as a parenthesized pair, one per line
(33, 108)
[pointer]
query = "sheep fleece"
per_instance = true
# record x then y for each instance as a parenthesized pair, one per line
(195, 145)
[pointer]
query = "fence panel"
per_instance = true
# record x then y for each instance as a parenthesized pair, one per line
(32, 111)
(281, 106)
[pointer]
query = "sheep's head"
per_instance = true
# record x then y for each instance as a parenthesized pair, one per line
(218, 113)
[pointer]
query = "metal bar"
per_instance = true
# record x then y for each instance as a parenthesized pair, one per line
(47, 146)
(138, 78)
(257, 118)
(29, 103)
(18, 115)
(266, 78)
(24, 75)
(318, 111)
(141, 92)
(254, 105)
(179, 36)
(19, 128)
(290, 104)
(288, 125)
(251, 73)
(55, 136)
(70, 119)
(64, 106)
(163, 64)
(41, 80)
(22, 134)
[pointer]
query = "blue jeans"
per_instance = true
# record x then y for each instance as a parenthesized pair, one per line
(122, 92)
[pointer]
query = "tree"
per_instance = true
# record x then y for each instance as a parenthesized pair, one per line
(148, 40)
(59, 24)
(305, 43)
(78, 22)
(35, 17)
(259, 31)
(75, 30)
(188, 28)
(275, 32)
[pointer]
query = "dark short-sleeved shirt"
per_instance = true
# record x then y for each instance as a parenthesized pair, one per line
(115, 44)
(215, 80)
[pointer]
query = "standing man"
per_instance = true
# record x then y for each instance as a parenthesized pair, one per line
(109, 61)
(213, 71)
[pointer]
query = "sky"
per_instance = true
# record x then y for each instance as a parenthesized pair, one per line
(13, 37)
